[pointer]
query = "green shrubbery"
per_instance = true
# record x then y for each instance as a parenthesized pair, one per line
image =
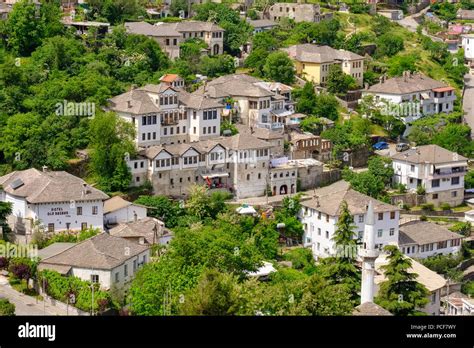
(461, 227)
(6, 308)
(42, 241)
(60, 288)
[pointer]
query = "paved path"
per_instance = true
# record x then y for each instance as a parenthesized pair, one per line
(468, 101)
(24, 304)
(411, 23)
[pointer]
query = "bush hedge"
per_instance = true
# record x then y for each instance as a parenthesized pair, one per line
(60, 288)
(6, 308)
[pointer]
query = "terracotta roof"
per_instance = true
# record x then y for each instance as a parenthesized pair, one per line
(370, 309)
(141, 228)
(45, 187)
(424, 232)
(433, 154)
(319, 54)
(169, 78)
(99, 252)
(406, 84)
(328, 200)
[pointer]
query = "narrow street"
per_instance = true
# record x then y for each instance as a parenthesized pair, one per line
(24, 304)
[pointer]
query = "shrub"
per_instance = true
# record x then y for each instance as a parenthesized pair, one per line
(423, 218)
(22, 268)
(445, 206)
(468, 288)
(442, 263)
(427, 206)
(402, 188)
(420, 190)
(3, 262)
(461, 227)
(59, 288)
(6, 308)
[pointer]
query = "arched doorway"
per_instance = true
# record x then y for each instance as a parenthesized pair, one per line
(283, 189)
(315, 154)
(274, 191)
(215, 49)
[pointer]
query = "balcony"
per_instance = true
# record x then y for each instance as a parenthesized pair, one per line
(273, 126)
(448, 173)
(169, 122)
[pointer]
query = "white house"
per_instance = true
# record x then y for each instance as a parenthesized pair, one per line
(440, 171)
(118, 210)
(58, 200)
(458, 304)
(412, 96)
(104, 259)
(320, 214)
(431, 280)
(468, 46)
(164, 114)
(421, 239)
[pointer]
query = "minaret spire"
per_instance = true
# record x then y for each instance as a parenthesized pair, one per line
(368, 254)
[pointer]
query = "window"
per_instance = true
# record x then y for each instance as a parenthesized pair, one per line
(380, 216)
(379, 233)
(95, 210)
(455, 180)
(454, 194)
(433, 298)
(412, 168)
(50, 227)
(116, 277)
(435, 196)
(83, 226)
(327, 234)
(319, 231)
(392, 231)
(435, 183)
(125, 270)
(319, 215)
(327, 218)
(455, 242)
(443, 245)
(392, 215)
(361, 218)
(94, 278)
(78, 210)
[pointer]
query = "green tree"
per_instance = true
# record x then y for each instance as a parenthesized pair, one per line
(400, 294)
(214, 66)
(198, 201)
(215, 294)
(456, 138)
(6, 308)
(381, 167)
(338, 82)
(389, 45)
(279, 67)
(162, 208)
(111, 143)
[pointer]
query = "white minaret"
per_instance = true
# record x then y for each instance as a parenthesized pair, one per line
(368, 254)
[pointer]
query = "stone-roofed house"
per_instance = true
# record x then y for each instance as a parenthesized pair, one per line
(118, 210)
(320, 214)
(147, 230)
(109, 261)
(164, 114)
(465, 14)
(440, 171)
(370, 309)
(260, 25)
(299, 12)
(312, 62)
(421, 239)
(307, 145)
(237, 163)
(434, 282)
(415, 95)
(58, 200)
(170, 35)
(256, 103)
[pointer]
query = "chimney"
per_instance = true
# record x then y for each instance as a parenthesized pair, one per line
(129, 104)
(45, 169)
(366, 86)
(135, 216)
(141, 240)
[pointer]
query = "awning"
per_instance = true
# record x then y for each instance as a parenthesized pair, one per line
(215, 175)
(449, 165)
(425, 95)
